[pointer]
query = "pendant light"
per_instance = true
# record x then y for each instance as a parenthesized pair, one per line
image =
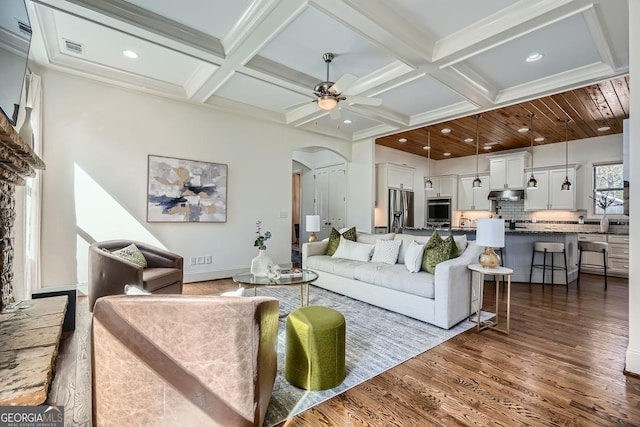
(566, 185)
(476, 182)
(532, 184)
(428, 185)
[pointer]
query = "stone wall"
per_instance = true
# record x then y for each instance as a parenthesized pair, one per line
(7, 217)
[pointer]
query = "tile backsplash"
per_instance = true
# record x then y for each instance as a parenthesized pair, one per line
(514, 210)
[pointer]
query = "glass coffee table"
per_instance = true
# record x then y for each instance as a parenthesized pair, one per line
(303, 280)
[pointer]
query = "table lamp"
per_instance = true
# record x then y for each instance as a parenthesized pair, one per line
(490, 233)
(313, 225)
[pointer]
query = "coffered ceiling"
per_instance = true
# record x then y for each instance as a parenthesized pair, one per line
(428, 61)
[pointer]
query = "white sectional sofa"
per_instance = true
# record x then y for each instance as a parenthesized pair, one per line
(441, 299)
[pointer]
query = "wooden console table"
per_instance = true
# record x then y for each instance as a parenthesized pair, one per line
(29, 337)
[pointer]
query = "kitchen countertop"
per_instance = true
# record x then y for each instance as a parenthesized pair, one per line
(538, 230)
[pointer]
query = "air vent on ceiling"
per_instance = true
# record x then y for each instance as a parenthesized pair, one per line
(74, 47)
(24, 27)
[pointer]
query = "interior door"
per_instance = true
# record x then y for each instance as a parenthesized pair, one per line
(331, 198)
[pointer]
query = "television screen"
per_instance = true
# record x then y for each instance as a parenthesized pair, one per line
(15, 38)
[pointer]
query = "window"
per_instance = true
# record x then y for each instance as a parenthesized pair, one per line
(608, 188)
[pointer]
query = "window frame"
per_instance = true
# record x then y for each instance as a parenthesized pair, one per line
(596, 210)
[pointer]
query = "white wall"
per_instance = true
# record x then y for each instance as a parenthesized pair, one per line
(633, 350)
(96, 142)
(361, 186)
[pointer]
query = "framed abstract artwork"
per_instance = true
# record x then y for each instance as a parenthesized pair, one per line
(181, 190)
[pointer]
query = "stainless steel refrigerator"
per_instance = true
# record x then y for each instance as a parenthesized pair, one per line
(400, 210)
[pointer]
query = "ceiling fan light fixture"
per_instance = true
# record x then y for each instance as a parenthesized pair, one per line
(327, 102)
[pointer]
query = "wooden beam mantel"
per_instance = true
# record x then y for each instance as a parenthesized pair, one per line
(17, 159)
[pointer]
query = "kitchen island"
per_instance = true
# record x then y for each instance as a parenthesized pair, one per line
(519, 248)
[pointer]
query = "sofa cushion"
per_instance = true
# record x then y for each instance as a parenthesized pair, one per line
(338, 266)
(156, 278)
(434, 255)
(461, 243)
(396, 277)
(386, 251)
(334, 239)
(406, 241)
(132, 254)
(454, 248)
(413, 257)
(373, 238)
(433, 241)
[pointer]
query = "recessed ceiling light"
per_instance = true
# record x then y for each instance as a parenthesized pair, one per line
(130, 54)
(446, 130)
(402, 140)
(539, 139)
(426, 147)
(446, 154)
(468, 140)
(347, 121)
(491, 143)
(534, 57)
(603, 128)
(523, 130)
(487, 147)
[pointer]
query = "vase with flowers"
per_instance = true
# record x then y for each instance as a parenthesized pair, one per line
(261, 263)
(604, 200)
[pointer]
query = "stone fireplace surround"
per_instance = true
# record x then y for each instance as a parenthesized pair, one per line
(17, 161)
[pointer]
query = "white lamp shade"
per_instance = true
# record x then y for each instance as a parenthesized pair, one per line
(313, 222)
(490, 232)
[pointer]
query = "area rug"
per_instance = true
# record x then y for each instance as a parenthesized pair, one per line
(376, 341)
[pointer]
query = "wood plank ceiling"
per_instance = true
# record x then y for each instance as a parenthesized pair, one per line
(590, 108)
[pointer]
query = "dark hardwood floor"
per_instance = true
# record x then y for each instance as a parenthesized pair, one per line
(561, 365)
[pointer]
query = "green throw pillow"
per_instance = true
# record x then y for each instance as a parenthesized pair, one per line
(132, 253)
(437, 254)
(334, 239)
(454, 248)
(433, 241)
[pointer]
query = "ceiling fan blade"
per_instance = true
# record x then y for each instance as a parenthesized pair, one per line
(343, 83)
(335, 114)
(363, 100)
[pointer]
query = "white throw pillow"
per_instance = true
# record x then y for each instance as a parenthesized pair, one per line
(353, 250)
(237, 293)
(461, 243)
(386, 251)
(413, 257)
(135, 290)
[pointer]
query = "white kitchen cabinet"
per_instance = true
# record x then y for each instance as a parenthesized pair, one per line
(443, 186)
(618, 254)
(470, 199)
(389, 175)
(548, 195)
(506, 171)
(395, 176)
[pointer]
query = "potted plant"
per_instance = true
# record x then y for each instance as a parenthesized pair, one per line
(261, 263)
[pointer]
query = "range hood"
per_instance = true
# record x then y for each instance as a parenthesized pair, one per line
(506, 195)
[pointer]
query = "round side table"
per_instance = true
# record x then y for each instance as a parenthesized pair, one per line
(492, 322)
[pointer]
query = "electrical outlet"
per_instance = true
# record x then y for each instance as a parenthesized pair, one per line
(209, 259)
(194, 260)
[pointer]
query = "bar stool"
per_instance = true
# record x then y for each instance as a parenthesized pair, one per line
(549, 248)
(600, 247)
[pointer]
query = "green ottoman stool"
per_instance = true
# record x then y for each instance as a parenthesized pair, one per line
(314, 357)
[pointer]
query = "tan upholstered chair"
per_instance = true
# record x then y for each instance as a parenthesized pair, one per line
(181, 360)
(109, 273)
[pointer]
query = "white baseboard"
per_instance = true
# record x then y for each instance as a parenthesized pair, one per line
(633, 361)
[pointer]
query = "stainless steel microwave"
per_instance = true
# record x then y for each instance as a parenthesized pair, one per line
(439, 210)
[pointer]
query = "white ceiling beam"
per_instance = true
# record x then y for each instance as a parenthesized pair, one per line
(260, 34)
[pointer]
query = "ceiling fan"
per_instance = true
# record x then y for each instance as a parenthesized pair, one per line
(329, 94)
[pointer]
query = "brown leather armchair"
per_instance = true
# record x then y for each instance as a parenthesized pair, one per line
(213, 364)
(109, 273)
